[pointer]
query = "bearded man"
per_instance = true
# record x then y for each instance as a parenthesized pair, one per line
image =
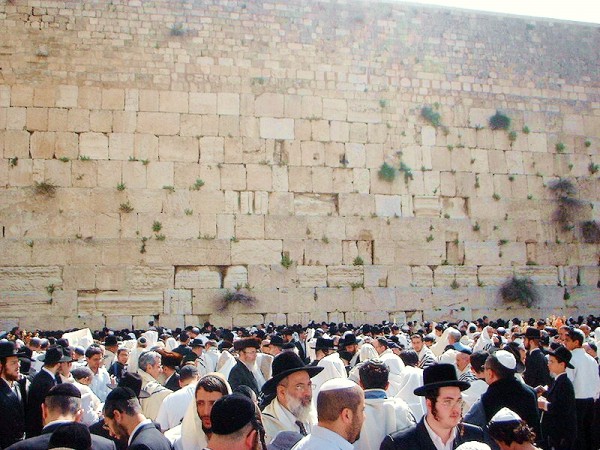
(288, 396)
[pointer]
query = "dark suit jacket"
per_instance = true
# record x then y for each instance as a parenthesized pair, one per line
(417, 438)
(41, 442)
(148, 437)
(559, 423)
(239, 375)
(12, 412)
(536, 369)
(40, 385)
(173, 383)
(303, 356)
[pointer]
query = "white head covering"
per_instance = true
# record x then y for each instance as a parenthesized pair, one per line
(367, 351)
(441, 342)
(505, 415)
(473, 445)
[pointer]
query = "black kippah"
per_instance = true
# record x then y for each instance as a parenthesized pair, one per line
(231, 413)
(65, 390)
(121, 393)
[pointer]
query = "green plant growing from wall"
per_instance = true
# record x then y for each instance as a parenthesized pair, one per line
(512, 137)
(454, 284)
(568, 207)
(121, 187)
(197, 185)
(522, 290)
(169, 189)
(431, 116)
(387, 172)
(526, 129)
(593, 168)
(50, 289)
(156, 226)
(126, 207)
(64, 159)
(286, 261)
(44, 188)
(560, 147)
(177, 29)
(406, 170)
(12, 162)
(588, 144)
(358, 261)
(235, 297)
(590, 232)
(499, 121)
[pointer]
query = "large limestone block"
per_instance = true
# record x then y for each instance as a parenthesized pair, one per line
(121, 322)
(338, 276)
(541, 275)
(272, 128)
(313, 153)
(262, 276)
(364, 111)
(589, 276)
(194, 252)
(312, 276)
(315, 204)
(376, 276)
(481, 253)
(335, 109)
(388, 205)
(21, 303)
(333, 299)
(416, 252)
(172, 101)
(177, 301)
(398, 276)
(269, 105)
(356, 204)
(426, 206)
(150, 277)
(197, 277)
(256, 252)
(374, 299)
(158, 123)
(93, 145)
(494, 275)
(178, 148)
(319, 253)
(235, 277)
(203, 103)
(286, 227)
(228, 104)
(121, 303)
(120, 145)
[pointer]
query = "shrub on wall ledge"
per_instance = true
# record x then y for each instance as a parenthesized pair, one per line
(522, 290)
(590, 231)
(235, 297)
(499, 121)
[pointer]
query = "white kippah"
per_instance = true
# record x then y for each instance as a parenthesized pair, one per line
(505, 415)
(473, 445)
(337, 383)
(507, 359)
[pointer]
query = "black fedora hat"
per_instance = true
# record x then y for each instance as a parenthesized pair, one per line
(438, 376)
(54, 355)
(277, 341)
(563, 355)
(285, 364)
(324, 344)
(349, 339)
(532, 333)
(9, 348)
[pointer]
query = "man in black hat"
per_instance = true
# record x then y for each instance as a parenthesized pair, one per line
(559, 419)
(235, 425)
(288, 396)
(349, 350)
(442, 423)
(111, 345)
(62, 405)
(536, 368)
(123, 417)
(40, 385)
(246, 372)
(12, 395)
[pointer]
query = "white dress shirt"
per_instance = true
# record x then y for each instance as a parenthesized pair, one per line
(323, 439)
(437, 441)
(584, 376)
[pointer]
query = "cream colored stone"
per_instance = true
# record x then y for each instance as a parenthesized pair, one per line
(271, 128)
(256, 252)
(93, 145)
(312, 276)
(178, 148)
(235, 277)
(158, 123)
(228, 104)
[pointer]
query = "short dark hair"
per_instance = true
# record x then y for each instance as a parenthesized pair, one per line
(93, 350)
(121, 350)
(374, 374)
(575, 334)
(128, 406)
(212, 383)
(409, 357)
(509, 432)
(477, 360)
(331, 403)
(63, 404)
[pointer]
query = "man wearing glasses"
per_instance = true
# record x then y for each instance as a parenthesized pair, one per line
(246, 372)
(441, 427)
(287, 404)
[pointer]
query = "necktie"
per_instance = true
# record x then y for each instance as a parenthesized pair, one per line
(302, 428)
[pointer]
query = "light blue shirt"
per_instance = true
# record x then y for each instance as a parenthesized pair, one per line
(323, 439)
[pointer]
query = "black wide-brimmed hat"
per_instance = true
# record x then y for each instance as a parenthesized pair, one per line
(324, 344)
(438, 376)
(532, 333)
(9, 348)
(285, 364)
(241, 344)
(349, 339)
(563, 355)
(54, 355)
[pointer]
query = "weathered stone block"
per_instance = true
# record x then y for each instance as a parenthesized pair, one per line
(178, 301)
(197, 277)
(256, 252)
(235, 277)
(93, 145)
(228, 104)
(158, 123)
(312, 276)
(344, 275)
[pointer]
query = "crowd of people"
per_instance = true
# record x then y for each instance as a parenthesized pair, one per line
(504, 384)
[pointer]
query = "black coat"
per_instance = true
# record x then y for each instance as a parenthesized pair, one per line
(241, 375)
(417, 438)
(559, 423)
(12, 412)
(303, 356)
(40, 385)
(173, 383)
(148, 437)
(41, 442)
(516, 396)
(536, 369)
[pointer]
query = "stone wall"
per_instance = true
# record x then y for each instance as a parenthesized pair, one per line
(161, 158)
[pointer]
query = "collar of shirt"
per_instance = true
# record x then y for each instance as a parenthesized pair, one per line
(437, 441)
(375, 393)
(48, 371)
(56, 422)
(135, 430)
(11, 384)
(330, 436)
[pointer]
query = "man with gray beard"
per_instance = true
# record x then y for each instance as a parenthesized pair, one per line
(288, 396)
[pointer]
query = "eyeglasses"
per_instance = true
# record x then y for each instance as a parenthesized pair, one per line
(448, 403)
(301, 387)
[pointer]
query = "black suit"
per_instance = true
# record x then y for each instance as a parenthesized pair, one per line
(241, 375)
(536, 369)
(41, 442)
(148, 437)
(559, 423)
(173, 382)
(12, 412)
(40, 385)
(417, 438)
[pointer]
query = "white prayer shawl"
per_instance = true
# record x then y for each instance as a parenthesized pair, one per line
(189, 435)
(471, 395)
(174, 406)
(276, 418)
(333, 368)
(158, 393)
(442, 342)
(412, 378)
(366, 352)
(225, 363)
(82, 338)
(90, 404)
(171, 343)
(382, 417)
(484, 341)
(211, 358)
